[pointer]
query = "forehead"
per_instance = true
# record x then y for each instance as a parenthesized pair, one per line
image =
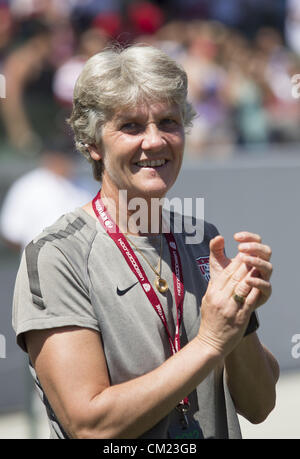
(147, 111)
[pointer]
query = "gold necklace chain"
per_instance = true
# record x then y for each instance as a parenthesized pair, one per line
(160, 284)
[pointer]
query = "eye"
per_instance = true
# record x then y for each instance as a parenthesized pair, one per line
(131, 128)
(168, 123)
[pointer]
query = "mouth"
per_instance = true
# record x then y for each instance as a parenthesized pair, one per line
(151, 163)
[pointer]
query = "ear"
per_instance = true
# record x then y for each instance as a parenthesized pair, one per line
(94, 152)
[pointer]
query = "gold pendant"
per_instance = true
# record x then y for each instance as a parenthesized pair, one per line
(161, 285)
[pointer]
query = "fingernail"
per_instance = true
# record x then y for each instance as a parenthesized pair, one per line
(239, 235)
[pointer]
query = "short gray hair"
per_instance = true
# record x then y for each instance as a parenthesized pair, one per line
(122, 77)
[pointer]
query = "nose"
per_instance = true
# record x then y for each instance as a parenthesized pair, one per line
(153, 138)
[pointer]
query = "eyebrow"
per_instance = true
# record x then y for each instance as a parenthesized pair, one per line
(121, 118)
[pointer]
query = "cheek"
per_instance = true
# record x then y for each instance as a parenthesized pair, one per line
(178, 146)
(177, 139)
(125, 150)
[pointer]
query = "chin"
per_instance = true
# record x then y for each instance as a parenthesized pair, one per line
(154, 191)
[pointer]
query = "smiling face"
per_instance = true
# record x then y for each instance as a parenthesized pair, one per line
(142, 150)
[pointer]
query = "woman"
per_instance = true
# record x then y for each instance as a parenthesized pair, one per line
(107, 305)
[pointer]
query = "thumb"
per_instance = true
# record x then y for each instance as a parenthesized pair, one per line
(217, 259)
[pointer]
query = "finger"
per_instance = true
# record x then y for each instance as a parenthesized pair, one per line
(241, 293)
(256, 249)
(263, 267)
(246, 236)
(253, 298)
(236, 283)
(262, 285)
(258, 292)
(216, 248)
(216, 245)
(226, 274)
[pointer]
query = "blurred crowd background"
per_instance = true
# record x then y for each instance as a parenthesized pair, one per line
(240, 56)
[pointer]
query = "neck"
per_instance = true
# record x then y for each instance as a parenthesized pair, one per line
(136, 215)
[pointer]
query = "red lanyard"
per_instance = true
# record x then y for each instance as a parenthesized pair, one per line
(113, 231)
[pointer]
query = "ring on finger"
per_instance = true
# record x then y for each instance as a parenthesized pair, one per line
(240, 300)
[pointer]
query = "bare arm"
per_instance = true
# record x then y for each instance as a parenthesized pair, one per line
(252, 373)
(71, 366)
(251, 370)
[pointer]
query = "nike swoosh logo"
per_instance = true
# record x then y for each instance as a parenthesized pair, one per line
(122, 292)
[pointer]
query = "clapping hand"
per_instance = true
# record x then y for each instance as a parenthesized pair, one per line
(237, 287)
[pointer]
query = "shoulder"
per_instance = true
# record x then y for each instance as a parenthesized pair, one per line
(52, 288)
(70, 237)
(75, 226)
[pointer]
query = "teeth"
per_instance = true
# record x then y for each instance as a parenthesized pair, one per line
(147, 163)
